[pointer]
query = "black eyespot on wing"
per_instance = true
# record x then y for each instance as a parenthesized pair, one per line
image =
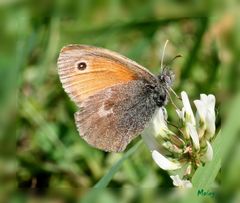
(81, 66)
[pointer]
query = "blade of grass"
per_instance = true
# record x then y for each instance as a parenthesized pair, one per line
(205, 176)
(104, 181)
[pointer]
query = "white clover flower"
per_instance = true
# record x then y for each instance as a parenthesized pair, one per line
(181, 114)
(209, 153)
(193, 134)
(205, 110)
(177, 181)
(189, 116)
(190, 146)
(163, 162)
(160, 124)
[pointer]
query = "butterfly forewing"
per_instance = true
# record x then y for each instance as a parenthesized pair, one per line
(85, 70)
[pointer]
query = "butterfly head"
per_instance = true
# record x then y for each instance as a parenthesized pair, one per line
(166, 78)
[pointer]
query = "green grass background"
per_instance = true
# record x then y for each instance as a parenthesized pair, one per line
(37, 116)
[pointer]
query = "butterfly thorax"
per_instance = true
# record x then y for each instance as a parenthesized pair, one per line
(160, 89)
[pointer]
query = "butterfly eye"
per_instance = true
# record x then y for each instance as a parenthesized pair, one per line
(163, 97)
(82, 66)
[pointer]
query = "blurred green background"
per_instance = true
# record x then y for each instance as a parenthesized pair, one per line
(49, 152)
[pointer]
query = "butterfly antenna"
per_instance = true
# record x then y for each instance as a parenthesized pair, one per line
(164, 48)
(177, 56)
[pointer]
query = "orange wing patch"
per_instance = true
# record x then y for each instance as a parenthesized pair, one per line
(83, 72)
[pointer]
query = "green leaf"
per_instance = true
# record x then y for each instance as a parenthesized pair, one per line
(104, 181)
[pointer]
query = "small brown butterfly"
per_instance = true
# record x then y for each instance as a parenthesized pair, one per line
(116, 96)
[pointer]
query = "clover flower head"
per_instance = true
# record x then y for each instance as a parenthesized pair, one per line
(190, 146)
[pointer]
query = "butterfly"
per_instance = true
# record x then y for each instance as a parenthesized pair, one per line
(116, 96)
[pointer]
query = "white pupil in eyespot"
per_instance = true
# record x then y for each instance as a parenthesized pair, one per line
(82, 66)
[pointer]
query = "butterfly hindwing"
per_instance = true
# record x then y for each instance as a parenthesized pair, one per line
(110, 119)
